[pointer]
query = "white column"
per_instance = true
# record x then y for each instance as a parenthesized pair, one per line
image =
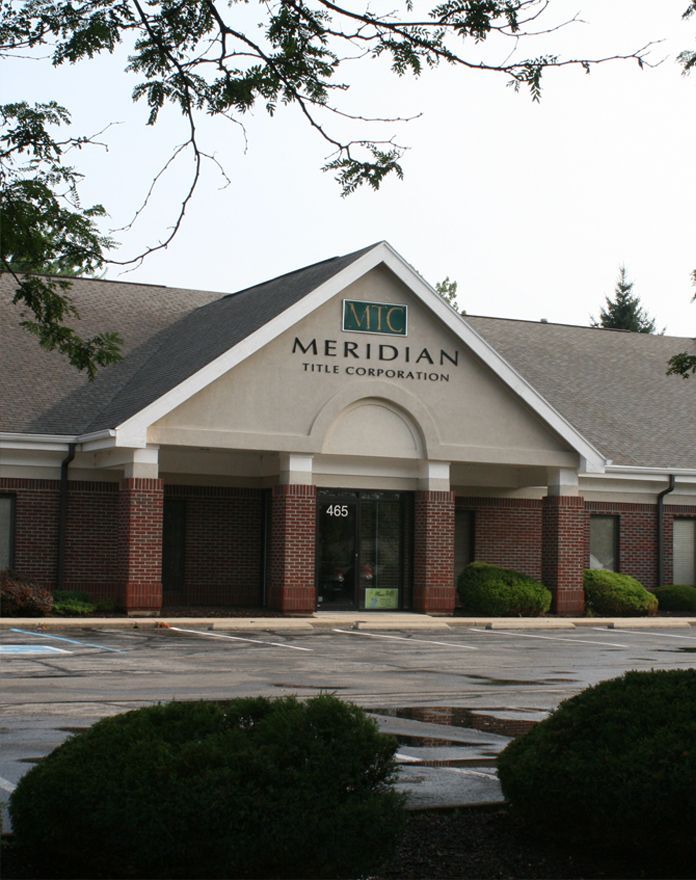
(295, 469)
(434, 476)
(562, 481)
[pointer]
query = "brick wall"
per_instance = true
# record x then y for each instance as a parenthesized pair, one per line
(223, 546)
(91, 550)
(114, 538)
(507, 532)
(293, 549)
(36, 526)
(564, 551)
(90, 546)
(638, 537)
(139, 540)
(433, 553)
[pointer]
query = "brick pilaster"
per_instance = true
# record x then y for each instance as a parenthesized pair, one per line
(433, 562)
(139, 536)
(292, 549)
(563, 551)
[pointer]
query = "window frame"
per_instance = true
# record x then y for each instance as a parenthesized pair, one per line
(616, 520)
(692, 521)
(13, 529)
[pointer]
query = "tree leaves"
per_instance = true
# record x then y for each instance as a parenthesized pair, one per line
(45, 231)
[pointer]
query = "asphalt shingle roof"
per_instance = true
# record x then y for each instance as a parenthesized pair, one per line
(611, 386)
(168, 335)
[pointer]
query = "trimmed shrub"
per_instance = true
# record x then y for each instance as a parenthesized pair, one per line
(71, 603)
(249, 787)
(614, 767)
(19, 598)
(500, 592)
(608, 592)
(676, 597)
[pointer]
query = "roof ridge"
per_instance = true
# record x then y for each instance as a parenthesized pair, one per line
(573, 326)
(354, 254)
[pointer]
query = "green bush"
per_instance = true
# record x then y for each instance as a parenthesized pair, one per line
(250, 787)
(608, 592)
(676, 597)
(487, 589)
(71, 603)
(20, 598)
(614, 767)
(73, 608)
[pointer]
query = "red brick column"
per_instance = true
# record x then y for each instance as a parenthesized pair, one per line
(292, 549)
(564, 552)
(139, 536)
(433, 563)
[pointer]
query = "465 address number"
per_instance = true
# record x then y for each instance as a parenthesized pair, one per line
(337, 510)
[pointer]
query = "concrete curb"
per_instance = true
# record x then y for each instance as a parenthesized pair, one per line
(357, 620)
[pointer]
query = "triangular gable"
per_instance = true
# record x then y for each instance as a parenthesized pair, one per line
(133, 430)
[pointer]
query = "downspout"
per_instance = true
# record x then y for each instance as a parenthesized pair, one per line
(63, 515)
(661, 530)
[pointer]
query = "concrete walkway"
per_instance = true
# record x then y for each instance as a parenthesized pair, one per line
(365, 620)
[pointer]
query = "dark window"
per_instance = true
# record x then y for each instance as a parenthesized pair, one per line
(463, 541)
(173, 546)
(604, 542)
(7, 529)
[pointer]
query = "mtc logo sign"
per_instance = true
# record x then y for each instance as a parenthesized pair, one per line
(369, 317)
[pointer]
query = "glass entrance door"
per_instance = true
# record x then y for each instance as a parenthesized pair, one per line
(336, 553)
(363, 550)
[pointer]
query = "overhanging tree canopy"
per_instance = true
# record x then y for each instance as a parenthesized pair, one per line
(197, 56)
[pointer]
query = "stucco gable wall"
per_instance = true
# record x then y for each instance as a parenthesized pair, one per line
(288, 397)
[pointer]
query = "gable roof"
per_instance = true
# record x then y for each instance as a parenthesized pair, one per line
(168, 334)
(590, 385)
(611, 384)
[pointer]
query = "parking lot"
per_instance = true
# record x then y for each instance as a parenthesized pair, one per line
(453, 697)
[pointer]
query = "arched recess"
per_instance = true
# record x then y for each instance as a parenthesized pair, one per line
(387, 421)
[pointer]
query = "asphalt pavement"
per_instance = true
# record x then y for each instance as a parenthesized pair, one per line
(453, 693)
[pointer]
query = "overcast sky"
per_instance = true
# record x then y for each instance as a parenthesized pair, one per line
(531, 208)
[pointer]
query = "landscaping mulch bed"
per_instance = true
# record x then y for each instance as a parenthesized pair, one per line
(481, 843)
(487, 843)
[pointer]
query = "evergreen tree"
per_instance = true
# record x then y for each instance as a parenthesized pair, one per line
(624, 311)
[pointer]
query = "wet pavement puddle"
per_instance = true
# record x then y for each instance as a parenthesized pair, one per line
(457, 716)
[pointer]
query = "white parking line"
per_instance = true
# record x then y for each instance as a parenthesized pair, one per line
(24, 650)
(197, 632)
(353, 632)
(6, 785)
(661, 635)
(500, 632)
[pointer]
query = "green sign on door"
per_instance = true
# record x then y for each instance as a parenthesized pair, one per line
(375, 317)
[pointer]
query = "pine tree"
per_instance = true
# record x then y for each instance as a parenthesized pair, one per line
(624, 311)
